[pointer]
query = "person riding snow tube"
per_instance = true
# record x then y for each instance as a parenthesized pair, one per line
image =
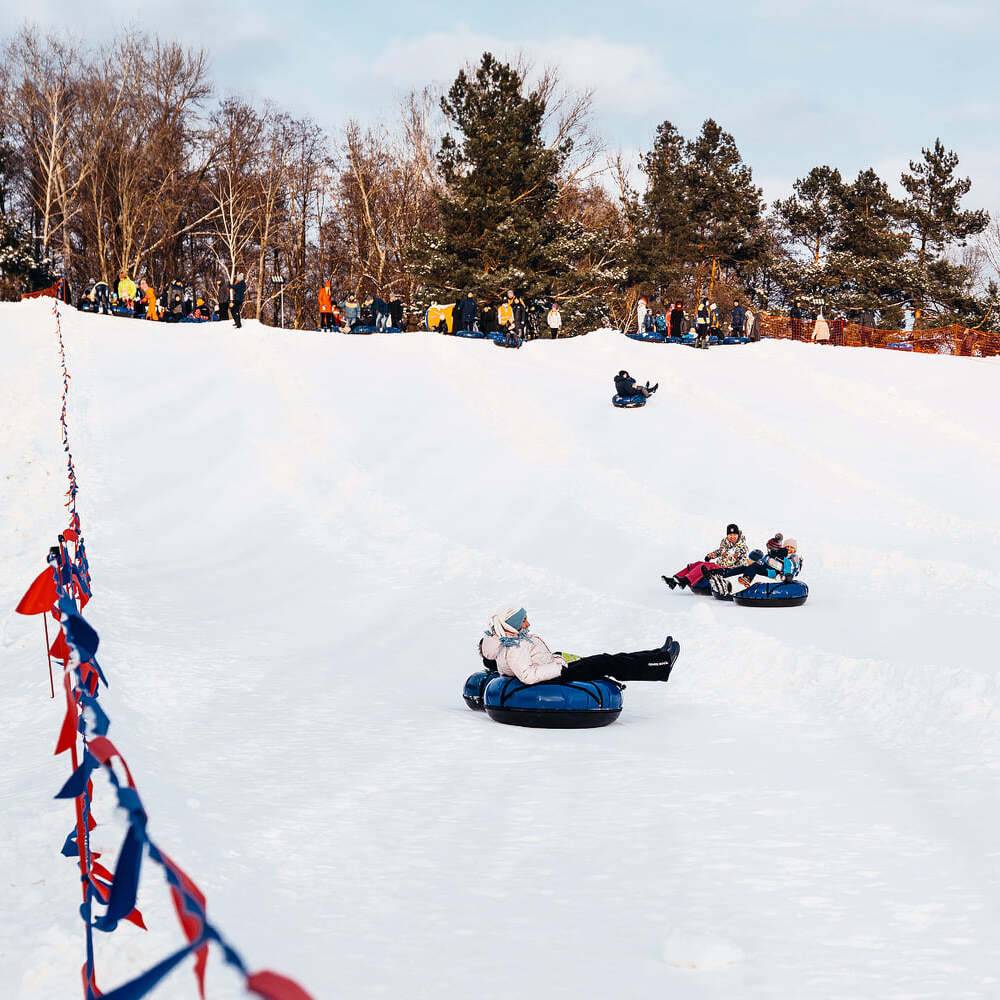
(780, 566)
(628, 393)
(523, 656)
(556, 704)
(732, 552)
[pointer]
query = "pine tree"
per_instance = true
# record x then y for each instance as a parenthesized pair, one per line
(501, 186)
(500, 221)
(938, 223)
(17, 259)
(725, 206)
(700, 208)
(809, 214)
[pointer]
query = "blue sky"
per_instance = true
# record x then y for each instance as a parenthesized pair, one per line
(798, 82)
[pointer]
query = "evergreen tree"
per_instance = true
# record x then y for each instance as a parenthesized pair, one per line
(500, 226)
(662, 221)
(725, 206)
(17, 259)
(700, 208)
(809, 214)
(937, 223)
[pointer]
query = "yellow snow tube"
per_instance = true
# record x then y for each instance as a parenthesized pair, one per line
(437, 313)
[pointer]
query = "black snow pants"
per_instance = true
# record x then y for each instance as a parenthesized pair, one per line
(647, 665)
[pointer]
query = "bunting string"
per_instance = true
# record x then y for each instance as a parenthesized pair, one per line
(108, 898)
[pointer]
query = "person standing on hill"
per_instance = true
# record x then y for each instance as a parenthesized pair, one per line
(325, 301)
(641, 309)
(102, 297)
(677, 320)
(224, 298)
(821, 331)
(703, 323)
(149, 297)
(237, 293)
(465, 313)
(554, 320)
(520, 318)
(738, 320)
(127, 291)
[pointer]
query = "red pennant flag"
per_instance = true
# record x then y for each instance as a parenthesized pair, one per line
(101, 872)
(70, 535)
(40, 596)
(271, 986)
(60, 647)
(67, 735)
(103, 749)
(135, 917)
(190, 924)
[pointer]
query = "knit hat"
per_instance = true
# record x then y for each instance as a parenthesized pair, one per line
(508, 621)
(790, 543)
(733, 529)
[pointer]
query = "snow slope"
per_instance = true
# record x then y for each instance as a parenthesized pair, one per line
(296, 540)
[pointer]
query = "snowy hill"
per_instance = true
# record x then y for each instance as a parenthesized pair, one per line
(296, 540)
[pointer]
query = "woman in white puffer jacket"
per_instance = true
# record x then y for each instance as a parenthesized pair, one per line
(517, 652)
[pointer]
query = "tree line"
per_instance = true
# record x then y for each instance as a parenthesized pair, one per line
(120, 158)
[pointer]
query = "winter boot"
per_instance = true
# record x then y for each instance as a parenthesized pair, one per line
(669, 581)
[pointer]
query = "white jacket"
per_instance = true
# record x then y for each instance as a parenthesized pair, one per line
(529, 660)
(640, 311)
(821, 331)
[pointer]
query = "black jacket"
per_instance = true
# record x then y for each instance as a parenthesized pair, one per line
(238, 292)
(466, 313)
(520, 315)
(488, 320)
(625, 385)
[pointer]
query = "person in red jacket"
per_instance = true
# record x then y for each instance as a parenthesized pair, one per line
(325, 299)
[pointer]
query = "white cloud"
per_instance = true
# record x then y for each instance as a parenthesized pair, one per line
(626, 79)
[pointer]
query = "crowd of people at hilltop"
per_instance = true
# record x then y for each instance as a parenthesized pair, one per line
(175, 304)
(512, 316)
(671, 319)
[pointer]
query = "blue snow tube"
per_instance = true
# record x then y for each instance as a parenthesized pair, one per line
(735, 340)
(628, 402)
(773, 594)
(649, 338)
(475, 687)
(472, 334)
(500, 340)
(553, 704)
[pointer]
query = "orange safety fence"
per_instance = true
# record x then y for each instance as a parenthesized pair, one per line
(955, 339)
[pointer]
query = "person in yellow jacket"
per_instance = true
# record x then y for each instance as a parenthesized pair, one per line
(505, 314)
(126, 290)
(149, 296)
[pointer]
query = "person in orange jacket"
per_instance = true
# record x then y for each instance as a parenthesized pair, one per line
(149, 296)
(325, 298)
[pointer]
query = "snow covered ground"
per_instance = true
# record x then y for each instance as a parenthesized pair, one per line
(296, 540)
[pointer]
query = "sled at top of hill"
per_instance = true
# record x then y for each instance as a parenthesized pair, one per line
(687, 339)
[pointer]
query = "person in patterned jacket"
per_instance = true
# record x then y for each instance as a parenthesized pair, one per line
(732, 552)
